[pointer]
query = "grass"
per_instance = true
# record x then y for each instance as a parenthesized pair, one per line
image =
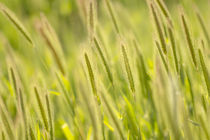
(104, 70)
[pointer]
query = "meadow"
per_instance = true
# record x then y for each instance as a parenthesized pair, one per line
(104, 70)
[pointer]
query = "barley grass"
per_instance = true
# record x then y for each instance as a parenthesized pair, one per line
(51, 39)
(165, 11)
(159, 30)
(92, 79)
(11, 16)
(91, 19)
(128, 69)
(134, 94)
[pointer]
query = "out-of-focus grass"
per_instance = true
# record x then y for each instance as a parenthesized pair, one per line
(144, 75)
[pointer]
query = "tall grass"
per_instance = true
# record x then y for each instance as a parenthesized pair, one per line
(89, 95)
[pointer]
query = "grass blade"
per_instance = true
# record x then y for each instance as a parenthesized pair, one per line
(205, 32)
(92, 78)
(162, 57)
(51, 39)
(189, 41)
(128, 69)
(171, 36)
(108, 4)
(23, 111)
(14, 81)
(91, 19)
(11, 16)
(50, 117)
(159, 30)
(205, 71)
(164, 10)
(41, 107)
(104, 60)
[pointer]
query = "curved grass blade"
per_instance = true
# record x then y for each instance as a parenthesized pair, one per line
(41, 107)
(128, 69)
(205, 71)
(108, 4)
(171, 36)
(189, 41)
(11, 16)
(159, 30)
(104, 60)
(50, 117)
(92, 78)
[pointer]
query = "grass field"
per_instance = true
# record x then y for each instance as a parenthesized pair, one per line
(104, 69)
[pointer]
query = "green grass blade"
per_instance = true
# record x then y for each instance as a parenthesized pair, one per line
(205, 71)
(108, 4)
(173, 45)
(162, 56)
(204, 29)
(11, 16)
(42, 110)
(23, 111)
(189, 40)
(91, 19)
(165, 11)
(50, 117)
(159, 30)
(104, 60)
